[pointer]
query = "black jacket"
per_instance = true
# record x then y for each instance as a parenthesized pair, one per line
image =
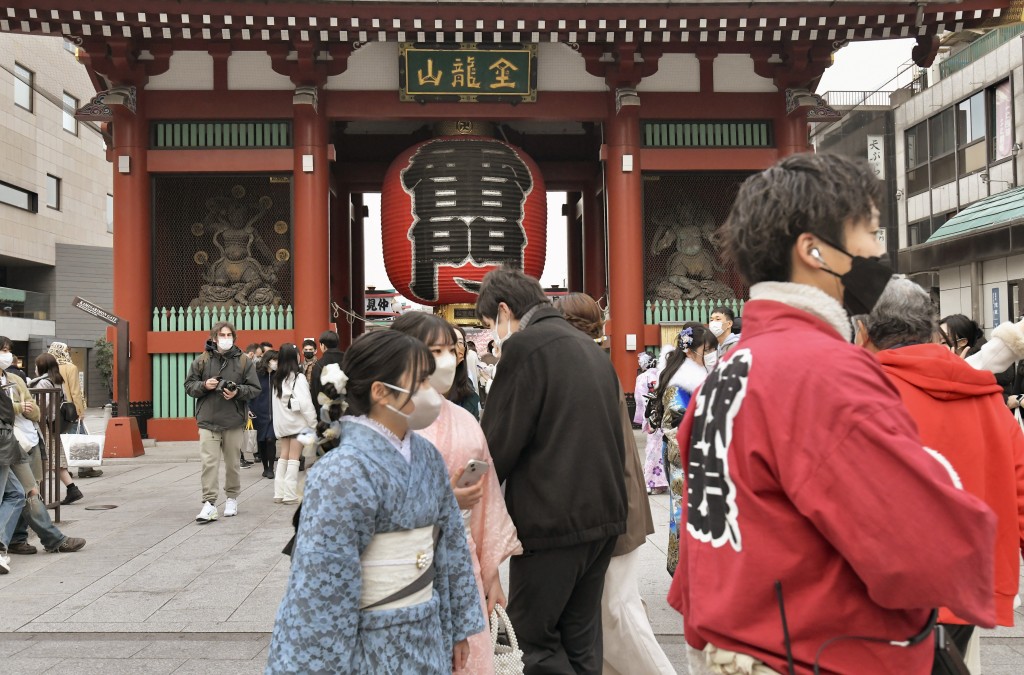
(552, 424)
(330, 356)
(213, 411)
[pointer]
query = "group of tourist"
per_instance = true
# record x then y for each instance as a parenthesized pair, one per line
(23, 455)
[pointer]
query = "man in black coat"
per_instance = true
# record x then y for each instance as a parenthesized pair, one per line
(552, 424)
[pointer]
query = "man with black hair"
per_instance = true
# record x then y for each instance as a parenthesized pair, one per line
(329, 342)
(561, 459)
(720, 324)
(807, 486)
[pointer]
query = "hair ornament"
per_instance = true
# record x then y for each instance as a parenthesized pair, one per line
(685, 338)
(334, 381)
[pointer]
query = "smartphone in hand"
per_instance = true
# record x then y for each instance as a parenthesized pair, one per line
(475, 470)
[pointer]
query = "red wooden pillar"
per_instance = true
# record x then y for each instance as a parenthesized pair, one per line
(341, 261)
(594, 282)
(625, 236)
(133, 265)
(792, 134)
(310, 260)
(574, 241)
(358, 265)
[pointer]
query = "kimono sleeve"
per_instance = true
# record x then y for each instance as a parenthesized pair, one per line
(317, 625)
(890, 507)
(493, 529)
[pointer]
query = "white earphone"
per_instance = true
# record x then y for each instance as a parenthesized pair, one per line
(816, 254)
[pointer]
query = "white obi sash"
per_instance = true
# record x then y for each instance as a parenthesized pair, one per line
(398, 569)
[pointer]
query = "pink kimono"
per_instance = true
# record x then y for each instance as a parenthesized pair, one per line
(491, 534)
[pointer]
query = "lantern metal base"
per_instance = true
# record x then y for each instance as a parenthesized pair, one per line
(458, 313)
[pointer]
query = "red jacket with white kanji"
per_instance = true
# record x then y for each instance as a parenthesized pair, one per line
(803, 467)
(961, 414)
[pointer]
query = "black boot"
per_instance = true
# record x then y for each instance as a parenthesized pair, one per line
(74, 495)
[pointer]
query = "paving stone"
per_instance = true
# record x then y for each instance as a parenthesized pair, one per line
(203, 649)
(82, 649)
(86, 666)
(29, 666)
(200, 667)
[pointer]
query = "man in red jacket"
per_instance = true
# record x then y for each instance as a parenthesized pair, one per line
(806, 478)
(961, 414)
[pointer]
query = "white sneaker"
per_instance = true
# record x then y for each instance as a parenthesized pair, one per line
(208, 514)
(5, 564)
(230, 508)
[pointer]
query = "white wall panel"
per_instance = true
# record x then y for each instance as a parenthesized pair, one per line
(676, 72)
(252, 71)
(188, 71)
(735, 73)
(372, 67)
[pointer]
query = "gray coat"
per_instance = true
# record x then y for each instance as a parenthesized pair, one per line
(213, 411)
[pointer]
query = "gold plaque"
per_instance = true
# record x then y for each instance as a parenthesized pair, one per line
(198, 229)
(266, 202)
(280, 227)
(238, 191)
(282, 255)
(200, 257)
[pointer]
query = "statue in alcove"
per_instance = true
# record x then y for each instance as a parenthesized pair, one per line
(692, 268)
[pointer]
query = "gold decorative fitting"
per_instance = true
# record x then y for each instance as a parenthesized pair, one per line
(238, 192)
(282, 255)
(198, 229)
(266, 202)
(200, 257)
(280, 227)
(465, 128)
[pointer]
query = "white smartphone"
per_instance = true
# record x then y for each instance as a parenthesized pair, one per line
(475, 470)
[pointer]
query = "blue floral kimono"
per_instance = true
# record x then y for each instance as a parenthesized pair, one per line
(362, 487)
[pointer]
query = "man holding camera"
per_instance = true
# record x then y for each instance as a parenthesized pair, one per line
(221, 380)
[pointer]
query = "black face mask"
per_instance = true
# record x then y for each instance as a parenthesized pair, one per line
(309, 355)
(864, 284)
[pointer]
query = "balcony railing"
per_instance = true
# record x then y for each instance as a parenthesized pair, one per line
(979, 48)
(852, 99)
(21, 304)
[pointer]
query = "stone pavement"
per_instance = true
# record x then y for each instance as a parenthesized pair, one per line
(153, 592)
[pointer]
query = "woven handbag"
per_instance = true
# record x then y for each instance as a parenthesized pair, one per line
(508, 658)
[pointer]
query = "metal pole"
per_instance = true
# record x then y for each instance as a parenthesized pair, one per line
(122, 368)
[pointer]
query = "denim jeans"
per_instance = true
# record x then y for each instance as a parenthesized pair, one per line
(34, 514)
(11, 505)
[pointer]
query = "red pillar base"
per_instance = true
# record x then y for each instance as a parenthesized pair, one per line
(123, 439)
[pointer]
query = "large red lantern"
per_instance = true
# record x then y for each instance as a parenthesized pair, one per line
(455, 207)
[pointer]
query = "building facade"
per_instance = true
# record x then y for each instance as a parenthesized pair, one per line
(244, 135)
(56, 204)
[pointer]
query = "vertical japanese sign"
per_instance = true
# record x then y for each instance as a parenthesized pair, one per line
(1004, 121)
(995, 307)
(467, 73)
(876, 155)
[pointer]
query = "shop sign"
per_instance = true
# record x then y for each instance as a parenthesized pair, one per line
(467, 73)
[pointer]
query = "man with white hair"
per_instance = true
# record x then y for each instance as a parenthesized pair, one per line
(960, 414)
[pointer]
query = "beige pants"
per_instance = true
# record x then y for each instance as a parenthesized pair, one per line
(212, 446)
(629, 642)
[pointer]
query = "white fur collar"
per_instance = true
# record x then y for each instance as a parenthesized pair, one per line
(689, 376)
(808, 299)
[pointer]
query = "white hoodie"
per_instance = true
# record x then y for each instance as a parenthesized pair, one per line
(293, 409)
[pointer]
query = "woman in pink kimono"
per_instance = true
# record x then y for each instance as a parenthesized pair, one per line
(457, 435)
(647, 385)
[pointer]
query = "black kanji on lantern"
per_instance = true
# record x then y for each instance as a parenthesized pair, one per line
(712, 514)
(467, 199)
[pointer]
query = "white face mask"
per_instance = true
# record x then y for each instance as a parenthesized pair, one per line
(444, 372)
(710, 361)
(427, 404)
(498, 340)
(272, 365)
(6, 359)
(716, 328)
(224, 343)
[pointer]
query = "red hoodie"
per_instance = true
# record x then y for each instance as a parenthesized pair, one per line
(961, 414)
(804, 467)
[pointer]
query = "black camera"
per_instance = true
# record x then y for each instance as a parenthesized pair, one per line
(225, 385)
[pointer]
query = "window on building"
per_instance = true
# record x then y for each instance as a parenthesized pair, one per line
(70, 106)
(1001, 120)
(52, 192)
(972, 152)
(110, 213)
(23, 83)
(1013, 294)
(942, 146)
(917, 158)
(18, 198)
(918, 233)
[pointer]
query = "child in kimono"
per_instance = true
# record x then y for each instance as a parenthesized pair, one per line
(490, 533)
(381, 580)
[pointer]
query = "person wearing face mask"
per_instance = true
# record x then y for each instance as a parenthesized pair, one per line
(309, 359)
(695, 354)
(464, 392)
(721, 323)
(329, 342)
(381, 577)
(806, 481)
(490, 534)
(293, 414)
(553, 426)
(262, 411)
(222, 380)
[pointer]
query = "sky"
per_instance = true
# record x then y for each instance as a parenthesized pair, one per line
(860, 66)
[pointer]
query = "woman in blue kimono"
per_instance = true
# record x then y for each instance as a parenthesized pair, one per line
(696, 354)
(381, 578)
